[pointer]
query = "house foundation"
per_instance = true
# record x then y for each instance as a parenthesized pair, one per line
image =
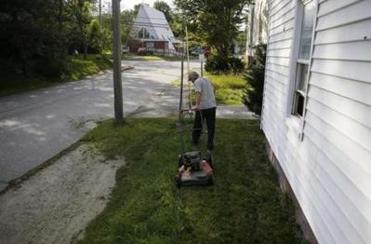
(286, 188)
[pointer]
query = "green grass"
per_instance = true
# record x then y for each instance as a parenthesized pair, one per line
(229, 96)
(77, 66)
(244, 206)
(229, 89)
(11, 84)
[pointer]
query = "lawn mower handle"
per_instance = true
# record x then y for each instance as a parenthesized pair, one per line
(188, 110)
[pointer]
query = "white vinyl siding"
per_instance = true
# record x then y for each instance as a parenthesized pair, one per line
(330, 169)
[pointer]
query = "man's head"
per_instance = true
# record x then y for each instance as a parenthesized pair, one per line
(192, 76)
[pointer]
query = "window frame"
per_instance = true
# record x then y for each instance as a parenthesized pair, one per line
(143, 33)
(295, 120)
(297, 90)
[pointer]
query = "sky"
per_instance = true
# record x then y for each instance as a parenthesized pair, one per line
(129, 4)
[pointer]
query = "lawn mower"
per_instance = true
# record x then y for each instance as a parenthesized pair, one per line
(194, 170)
(194, 167)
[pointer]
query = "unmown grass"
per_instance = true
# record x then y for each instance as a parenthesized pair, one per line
(80, 67)
(229, 88)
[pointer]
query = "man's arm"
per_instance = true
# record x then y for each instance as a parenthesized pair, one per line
(198, 100)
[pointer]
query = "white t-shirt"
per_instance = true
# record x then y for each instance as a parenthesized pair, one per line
(206, 89)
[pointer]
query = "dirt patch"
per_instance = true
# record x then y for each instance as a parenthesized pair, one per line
(56, 204)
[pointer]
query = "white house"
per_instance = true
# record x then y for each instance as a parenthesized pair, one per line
(317, 112)
(152, 31)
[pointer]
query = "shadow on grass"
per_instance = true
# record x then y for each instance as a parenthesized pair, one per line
(244, 206)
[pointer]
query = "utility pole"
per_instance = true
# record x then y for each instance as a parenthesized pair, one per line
(251, 30)
(100, 13)
(117, 80)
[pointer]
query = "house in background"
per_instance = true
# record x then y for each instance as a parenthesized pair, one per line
(316, 113)
(151, 32)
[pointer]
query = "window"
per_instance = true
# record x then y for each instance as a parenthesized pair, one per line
(302, 63)
(143, 33)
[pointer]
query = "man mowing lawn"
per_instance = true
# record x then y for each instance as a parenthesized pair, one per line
(205, 109)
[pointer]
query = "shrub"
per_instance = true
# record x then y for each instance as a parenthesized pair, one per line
(255, 79)
(236, 65)
(49, 67)
(217, 65)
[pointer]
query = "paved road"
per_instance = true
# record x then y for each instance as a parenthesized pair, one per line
(36, 125)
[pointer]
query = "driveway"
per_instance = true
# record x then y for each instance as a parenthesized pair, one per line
(36, 125)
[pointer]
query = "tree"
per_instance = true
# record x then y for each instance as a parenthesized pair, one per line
(165, 8)
(255, 80)
(176, 24)
(80, 11)
(99, 38)
(31, 36)
(136, 9)
(127, 19)
(216, 22)
(37, 35)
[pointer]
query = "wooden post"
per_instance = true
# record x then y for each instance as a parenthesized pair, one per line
(188, 69)
(100, 13)
(117, 79)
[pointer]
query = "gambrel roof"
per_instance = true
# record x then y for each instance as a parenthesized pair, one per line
(151, 24)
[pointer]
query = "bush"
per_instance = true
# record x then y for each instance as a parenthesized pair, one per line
(236, 65)
(217, 65)
(49, 67)
(255, 79)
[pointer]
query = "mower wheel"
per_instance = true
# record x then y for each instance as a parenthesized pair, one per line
(211, 181)
(177, 182)
(180, 161)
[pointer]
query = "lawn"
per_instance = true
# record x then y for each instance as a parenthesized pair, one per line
(229, 88)
(244, 206)
(11, 84)
(77, 68)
